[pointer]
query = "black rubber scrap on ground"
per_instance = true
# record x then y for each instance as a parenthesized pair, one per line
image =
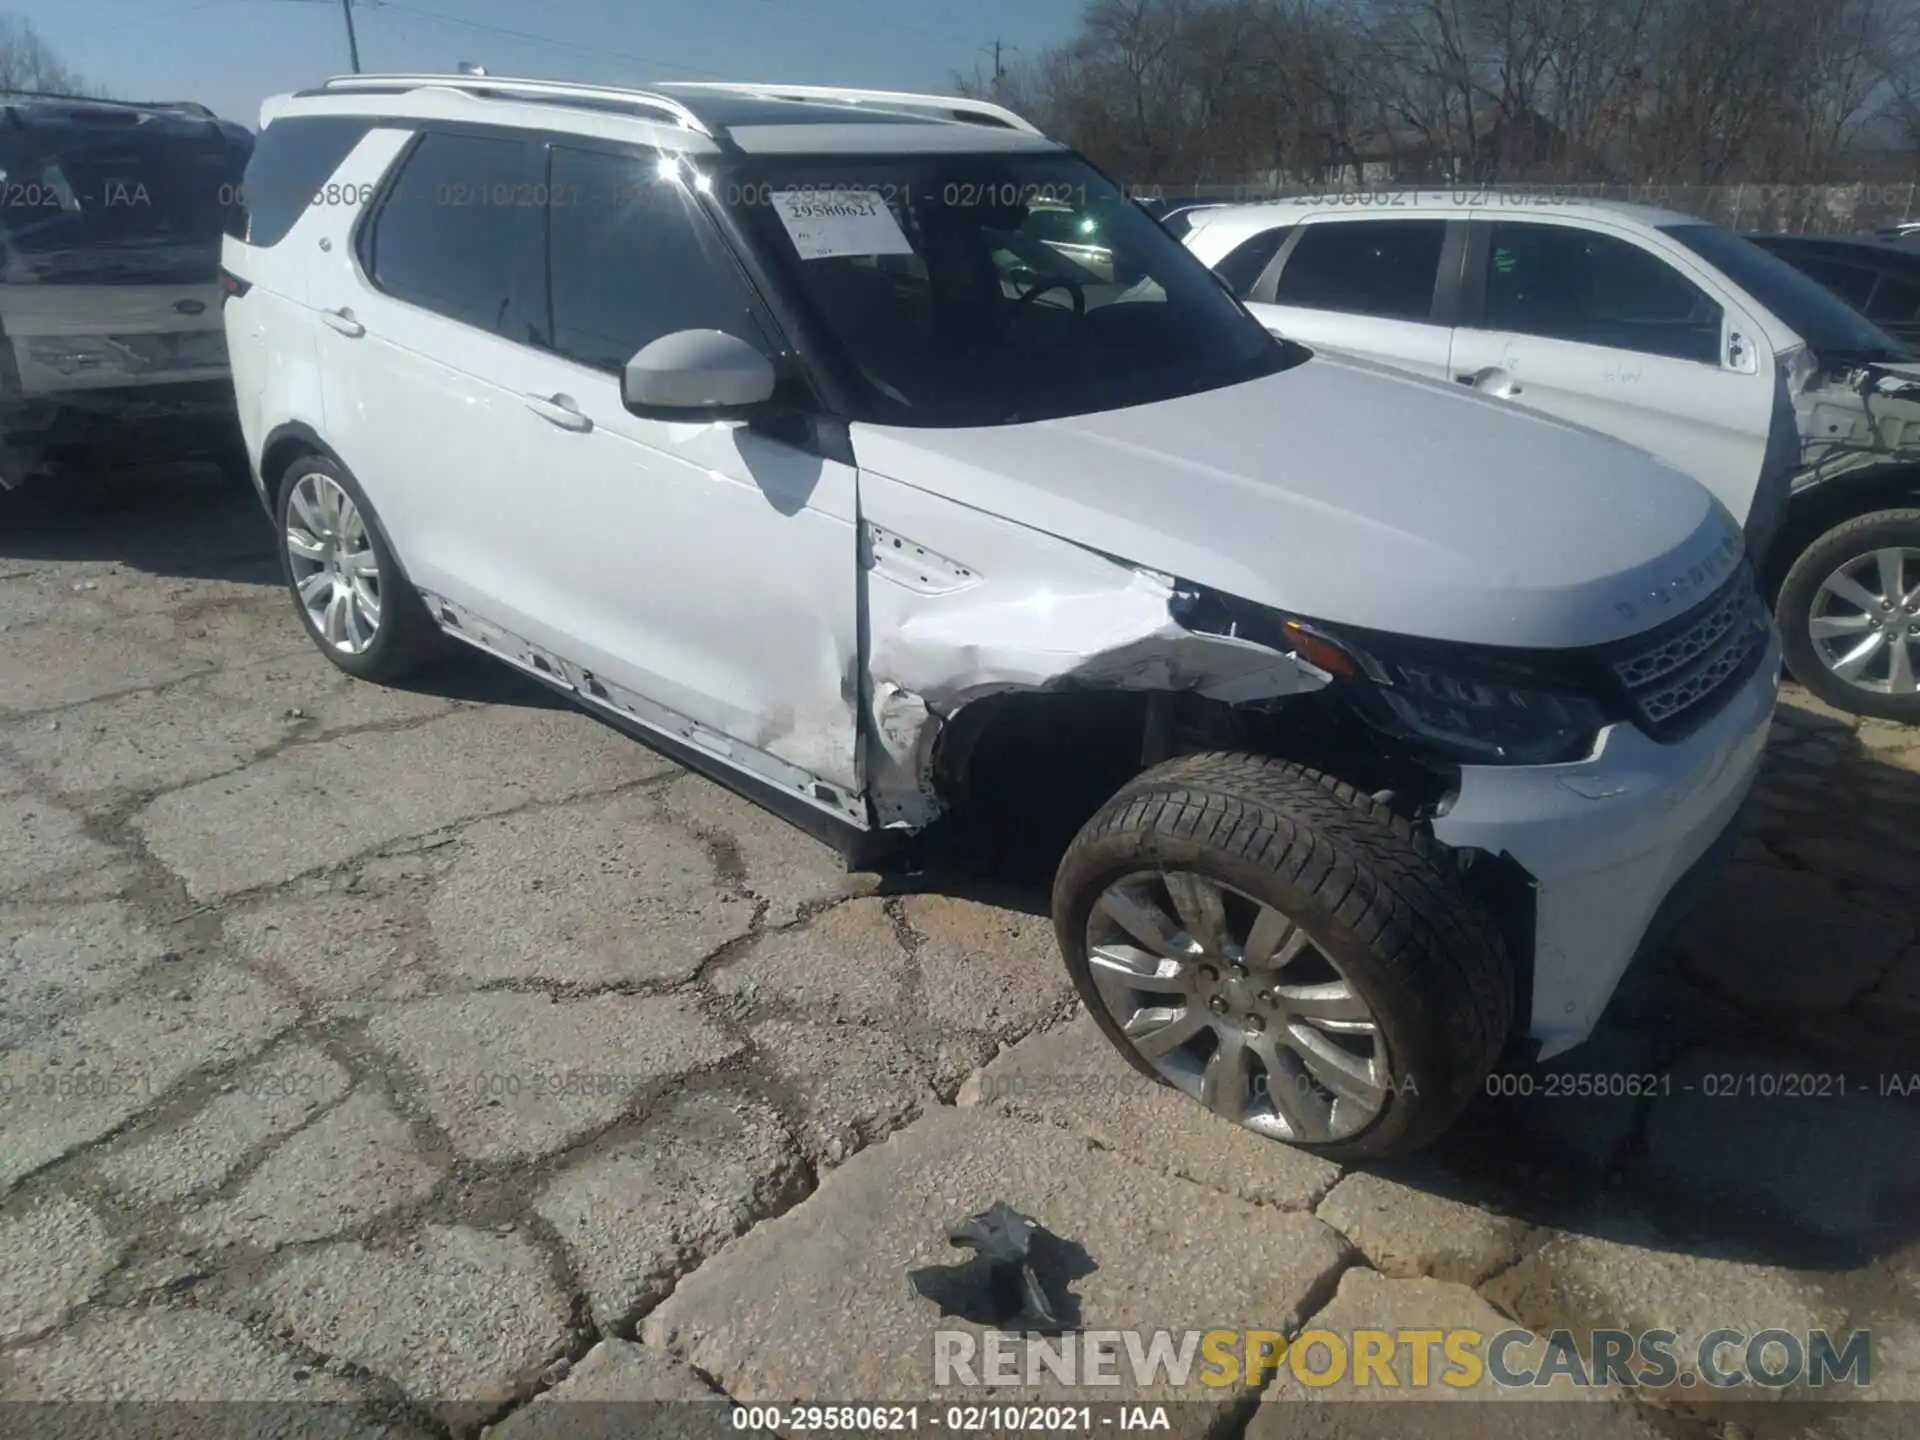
(998, 1285)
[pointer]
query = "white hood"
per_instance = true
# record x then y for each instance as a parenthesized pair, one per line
(1352, 494)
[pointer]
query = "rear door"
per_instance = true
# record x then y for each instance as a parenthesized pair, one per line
(110, 242)
(1597, 328)
(1372, 288)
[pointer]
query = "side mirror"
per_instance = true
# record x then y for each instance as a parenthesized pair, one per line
(697, 375)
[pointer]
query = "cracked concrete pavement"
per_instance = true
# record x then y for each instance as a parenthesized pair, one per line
(442, 1056)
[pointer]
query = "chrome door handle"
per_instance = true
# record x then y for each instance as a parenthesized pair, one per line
(559, 410)
(343, 321)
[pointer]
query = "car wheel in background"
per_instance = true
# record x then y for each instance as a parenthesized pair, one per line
(1849, 614)
(350, 591)
(1287, 952)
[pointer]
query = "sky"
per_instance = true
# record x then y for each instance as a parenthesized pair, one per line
(232, 54)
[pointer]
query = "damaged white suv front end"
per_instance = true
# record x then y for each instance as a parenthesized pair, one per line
(1369, 727)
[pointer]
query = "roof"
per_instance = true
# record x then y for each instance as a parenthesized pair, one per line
(1864, 245)
(38, 110)
(1238, 221)
(710, 118)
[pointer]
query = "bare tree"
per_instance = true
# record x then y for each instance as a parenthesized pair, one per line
(28, 63)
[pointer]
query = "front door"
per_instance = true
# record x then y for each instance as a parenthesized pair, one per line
(1597, 329)
(699, 577)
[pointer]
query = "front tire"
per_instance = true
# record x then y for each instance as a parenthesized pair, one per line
(1849, 615)
(352, 596)
(1287, 951)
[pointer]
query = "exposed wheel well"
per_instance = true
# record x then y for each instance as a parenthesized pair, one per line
(1816, 510)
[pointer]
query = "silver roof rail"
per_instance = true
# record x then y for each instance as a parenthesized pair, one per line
(532, 89)
(944, 105)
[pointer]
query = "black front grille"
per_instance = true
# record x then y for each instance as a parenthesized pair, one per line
(1681, 675)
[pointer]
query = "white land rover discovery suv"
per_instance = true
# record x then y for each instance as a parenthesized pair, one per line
(1685, 339)
(762, 421)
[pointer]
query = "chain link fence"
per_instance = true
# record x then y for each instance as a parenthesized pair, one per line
(1777, 209)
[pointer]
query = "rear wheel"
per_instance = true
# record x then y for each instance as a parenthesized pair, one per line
(1285, 951)
(350, 591)
(1849, 614)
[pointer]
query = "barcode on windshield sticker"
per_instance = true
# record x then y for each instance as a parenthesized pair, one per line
(825, 223)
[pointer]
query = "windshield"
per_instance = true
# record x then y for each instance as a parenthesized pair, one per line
(86, 207)
(1821, 318)
(991, 290)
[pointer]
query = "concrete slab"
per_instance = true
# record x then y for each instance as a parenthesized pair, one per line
(1586, 1103)
(1074, 1078)
(52, 1258)
(1407, 1233)
(816, 1304)
(1776, 1136)
(99, 1069)
(66, 661)
(1294, 1407)
(353, 1165)
(782, 866)
(852, 1083)
(597, 893)
(636, 1217)
(1627, 1275)
(986, 967)
(847, 961)
(341, 946)
(211, 725)
(1753, 932)
(41, 841)
(166, 1164)
(461, 1320)
(313, 806)
(186, 1358)
(511, 1076)
(54, 955)
(621, 1390)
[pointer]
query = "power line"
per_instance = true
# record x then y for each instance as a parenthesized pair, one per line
(164, 15)
(533, 39)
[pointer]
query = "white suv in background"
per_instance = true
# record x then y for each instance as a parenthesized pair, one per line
(1675, 335)
(876, 455)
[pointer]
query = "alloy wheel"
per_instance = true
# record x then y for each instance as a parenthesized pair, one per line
(335, 570)
(1865, 621)
(1238, 1005)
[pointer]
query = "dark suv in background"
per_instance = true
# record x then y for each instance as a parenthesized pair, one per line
(111, 219)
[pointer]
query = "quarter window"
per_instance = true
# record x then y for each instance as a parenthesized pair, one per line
(634, 258)
(1896, 301)
(1564, 283)
(1365, 267)
(1851, 283)
(462, 232)
(1243, 264)
(292, 161)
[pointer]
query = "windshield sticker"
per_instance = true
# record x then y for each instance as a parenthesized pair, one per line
(828, 223)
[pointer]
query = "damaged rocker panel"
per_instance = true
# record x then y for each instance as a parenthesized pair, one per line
(597, 693)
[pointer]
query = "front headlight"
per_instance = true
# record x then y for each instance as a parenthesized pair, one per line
(1471, 707)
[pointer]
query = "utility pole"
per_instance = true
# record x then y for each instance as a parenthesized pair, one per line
(999, 70)
(353, 41)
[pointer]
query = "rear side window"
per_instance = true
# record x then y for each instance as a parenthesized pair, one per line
(1243, 264)
(292, 161)
(1851, 283)
(1896, 301)
(1564, 283)
(634, 258)
(86, 203)
(1365, 267)
(462, 232)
